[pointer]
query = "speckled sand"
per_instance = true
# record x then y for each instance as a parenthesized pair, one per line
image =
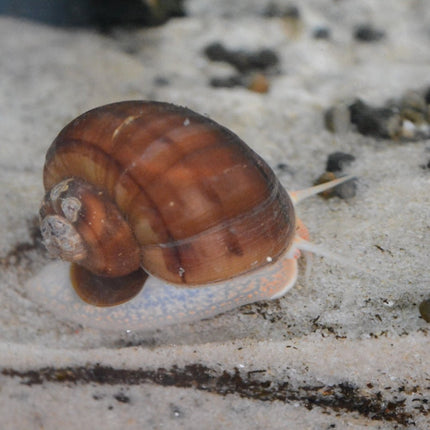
(344, 348)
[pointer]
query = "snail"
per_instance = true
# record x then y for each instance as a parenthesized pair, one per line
(166, 216)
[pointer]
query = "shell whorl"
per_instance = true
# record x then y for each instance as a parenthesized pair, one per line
(81, 225)
(201, 204)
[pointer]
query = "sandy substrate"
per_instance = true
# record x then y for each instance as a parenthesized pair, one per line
(345, 348)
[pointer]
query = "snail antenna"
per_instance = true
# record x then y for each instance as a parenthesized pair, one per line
(299, 195)
(312, 248)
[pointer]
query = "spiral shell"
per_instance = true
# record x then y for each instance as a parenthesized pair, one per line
(200, 204)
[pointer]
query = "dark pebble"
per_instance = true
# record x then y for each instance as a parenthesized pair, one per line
(216, 52)
(161, 81)
(426, 166)
(367, 33)
(276, 10)
(228, 82)
(121, 397)
(243, 61)
(104, 14)
(424, 309)
(371, 121)
(337, 160)
(283, 167)
(427, 96)
(321, 33)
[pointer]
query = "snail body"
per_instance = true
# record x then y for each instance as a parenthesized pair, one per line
(151, 185)
(159, 303)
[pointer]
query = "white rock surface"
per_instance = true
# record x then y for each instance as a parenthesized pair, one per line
(344, 349)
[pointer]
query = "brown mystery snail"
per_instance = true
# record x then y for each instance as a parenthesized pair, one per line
(149, 185)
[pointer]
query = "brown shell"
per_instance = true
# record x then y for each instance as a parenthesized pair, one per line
(202, 205)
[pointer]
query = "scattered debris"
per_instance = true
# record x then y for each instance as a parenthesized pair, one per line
(252, 67)
(256, 82)
(249, 385)
(405, 119)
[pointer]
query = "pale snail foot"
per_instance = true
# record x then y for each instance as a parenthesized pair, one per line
(160, 304)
